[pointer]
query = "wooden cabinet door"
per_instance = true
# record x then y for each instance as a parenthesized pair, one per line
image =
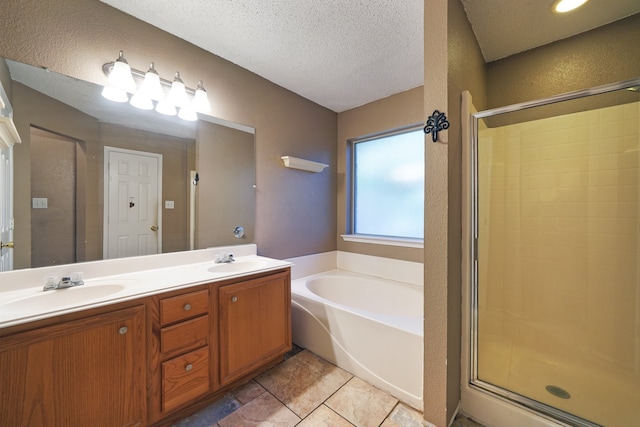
(87, 372)
(255, 324)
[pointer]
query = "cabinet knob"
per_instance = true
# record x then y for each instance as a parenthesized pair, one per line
(123, 330)
(187, 307)
(188, 367)
(234, 298)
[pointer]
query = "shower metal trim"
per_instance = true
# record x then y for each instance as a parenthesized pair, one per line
(546, 411)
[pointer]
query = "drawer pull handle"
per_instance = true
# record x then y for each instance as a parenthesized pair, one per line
(234, 299)
(123, 330)
(187, 307)
(188, 367)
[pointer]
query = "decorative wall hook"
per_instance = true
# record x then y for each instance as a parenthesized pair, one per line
(435, 123)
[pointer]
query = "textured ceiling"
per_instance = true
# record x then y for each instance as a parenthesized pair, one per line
(506, 27)
(337, 53)
(345, 53)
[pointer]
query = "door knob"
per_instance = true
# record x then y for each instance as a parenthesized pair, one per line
(154, 228)
(8, 245)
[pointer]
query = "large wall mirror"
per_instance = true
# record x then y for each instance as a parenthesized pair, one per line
(74, 145)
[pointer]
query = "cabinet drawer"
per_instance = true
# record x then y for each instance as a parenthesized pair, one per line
(185, 335)
(184, 306)
(185, 378)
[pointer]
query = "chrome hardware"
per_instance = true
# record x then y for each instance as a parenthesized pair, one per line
(154, 228)
(187, 307)
(238, 232)
(123, 330)
(234, 298)
(224, 258)
(188, 367)
(8, 245)
(66, 282)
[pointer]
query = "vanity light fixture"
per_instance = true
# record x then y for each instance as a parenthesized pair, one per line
(177, 95)
(151, 87)
(142, 102)
(120, 77)
(166, 107)
(121, 82)
(200, 100)
(564, 6)
(114, 94)
(188, 113)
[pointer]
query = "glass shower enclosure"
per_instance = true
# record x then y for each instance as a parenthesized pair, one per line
(555, 316)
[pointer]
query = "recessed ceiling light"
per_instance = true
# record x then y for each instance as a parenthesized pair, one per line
(563, 6)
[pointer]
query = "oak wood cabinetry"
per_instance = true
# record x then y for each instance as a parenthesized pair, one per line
(146, 361)
(180, 352)
(84, 372)
(255, 323)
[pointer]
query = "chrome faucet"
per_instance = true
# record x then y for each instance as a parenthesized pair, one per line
(66, 282)
(224, 258)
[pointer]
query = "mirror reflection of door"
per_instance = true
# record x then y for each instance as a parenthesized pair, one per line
(6, 208)
(133, 189)
(8, 137)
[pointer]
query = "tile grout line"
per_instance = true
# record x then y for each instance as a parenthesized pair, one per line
(338, 414)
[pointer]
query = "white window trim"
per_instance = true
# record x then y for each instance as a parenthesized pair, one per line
(406, 242)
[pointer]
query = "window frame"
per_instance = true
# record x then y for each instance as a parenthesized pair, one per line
(351, 235)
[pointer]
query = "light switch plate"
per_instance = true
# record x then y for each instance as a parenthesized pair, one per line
(168, 204)
(39, 203)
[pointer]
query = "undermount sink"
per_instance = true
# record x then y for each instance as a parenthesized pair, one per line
(237, 267)
(61, 298)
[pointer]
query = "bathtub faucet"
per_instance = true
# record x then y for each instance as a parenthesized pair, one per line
(224, 258)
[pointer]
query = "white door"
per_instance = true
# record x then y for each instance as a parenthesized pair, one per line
(133, 188)
(6, 207)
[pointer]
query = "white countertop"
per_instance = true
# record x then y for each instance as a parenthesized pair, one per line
(21, 304)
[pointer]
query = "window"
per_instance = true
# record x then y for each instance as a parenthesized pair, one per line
(387, 178)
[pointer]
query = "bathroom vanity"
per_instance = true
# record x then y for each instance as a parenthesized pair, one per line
(148, 357)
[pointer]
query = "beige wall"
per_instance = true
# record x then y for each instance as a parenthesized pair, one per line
(396, 111)
(226, 166)
(294, 210)
(436, 359)
(5, 78)
(32, 108)
(53, 176)
(605, 55)
(466, 71)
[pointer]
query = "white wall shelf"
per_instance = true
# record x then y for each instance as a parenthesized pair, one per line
(302, 164)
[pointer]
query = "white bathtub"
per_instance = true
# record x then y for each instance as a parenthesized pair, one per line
(368, 326)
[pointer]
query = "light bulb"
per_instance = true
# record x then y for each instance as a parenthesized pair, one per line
(141, 101)
(151, 87)
(114, 94)
(166, 107)
(120, 76)
(187, 113)
(177, 94)
(563, 6)
(200, 101)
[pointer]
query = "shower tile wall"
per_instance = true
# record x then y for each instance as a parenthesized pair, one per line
(559, 259)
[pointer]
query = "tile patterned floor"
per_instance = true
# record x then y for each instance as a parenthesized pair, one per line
(307, 391)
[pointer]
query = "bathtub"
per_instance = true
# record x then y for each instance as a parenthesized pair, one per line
(368, 326)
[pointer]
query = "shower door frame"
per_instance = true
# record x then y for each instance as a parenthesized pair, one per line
(498, 395)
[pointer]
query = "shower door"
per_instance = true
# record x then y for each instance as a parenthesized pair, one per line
(556, 255)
